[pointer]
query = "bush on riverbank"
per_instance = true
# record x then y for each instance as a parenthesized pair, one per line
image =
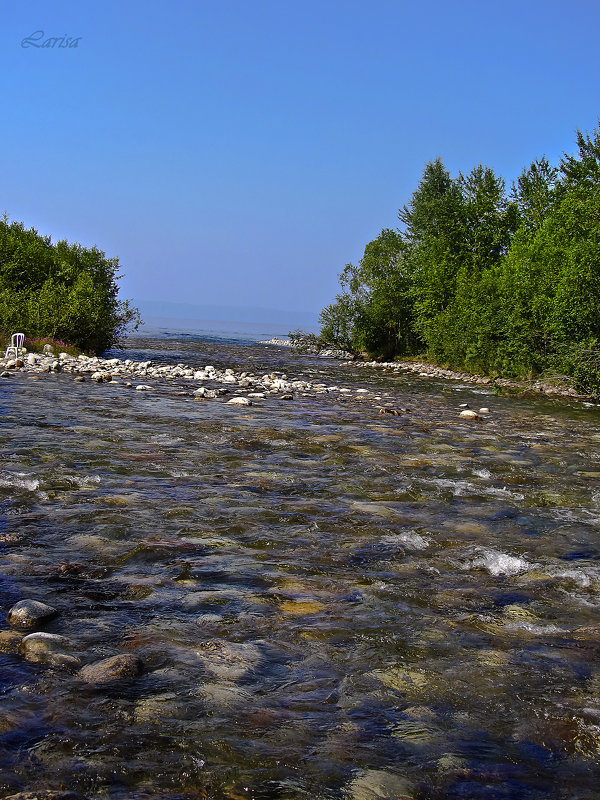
(485, 280)
(63, 291)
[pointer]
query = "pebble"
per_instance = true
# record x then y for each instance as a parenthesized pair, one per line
(28, 614)
(111, 669)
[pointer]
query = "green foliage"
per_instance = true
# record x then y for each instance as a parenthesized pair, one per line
(63, 291)
(484, 281)
(373, 313)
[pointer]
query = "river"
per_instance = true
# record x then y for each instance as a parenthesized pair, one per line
(329, 602)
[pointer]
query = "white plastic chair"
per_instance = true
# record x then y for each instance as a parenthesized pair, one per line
(15, 346)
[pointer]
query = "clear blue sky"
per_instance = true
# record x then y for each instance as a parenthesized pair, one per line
(240, 152)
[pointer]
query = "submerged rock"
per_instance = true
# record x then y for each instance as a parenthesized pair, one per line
(10, 641)
(28, 614)
(111, 669)
(377, 784)
(49, 648)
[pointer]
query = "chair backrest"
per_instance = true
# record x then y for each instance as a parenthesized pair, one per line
(17, 339)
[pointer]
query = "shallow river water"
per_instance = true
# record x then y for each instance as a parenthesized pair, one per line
(329, 602)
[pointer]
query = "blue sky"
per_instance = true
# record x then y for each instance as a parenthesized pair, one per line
(240, 152)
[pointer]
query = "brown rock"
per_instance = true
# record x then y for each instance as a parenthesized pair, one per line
(111, 669)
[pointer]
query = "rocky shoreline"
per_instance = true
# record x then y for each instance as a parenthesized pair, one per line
(214, 383)
(428, 370)
(218, 382)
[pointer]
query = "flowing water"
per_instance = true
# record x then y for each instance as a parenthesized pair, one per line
(329, 602)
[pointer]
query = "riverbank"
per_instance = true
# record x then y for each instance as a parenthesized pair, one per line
(426, 369)
(251, 387)
(559, 387)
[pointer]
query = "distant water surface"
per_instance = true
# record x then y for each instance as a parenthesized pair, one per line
(214, 330)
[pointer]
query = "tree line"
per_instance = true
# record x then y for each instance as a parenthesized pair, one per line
(63, 291)
(484, 279)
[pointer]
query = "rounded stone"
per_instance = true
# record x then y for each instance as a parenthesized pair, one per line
(468, 414)
(111, 669)
(29, 614)
(49, 648)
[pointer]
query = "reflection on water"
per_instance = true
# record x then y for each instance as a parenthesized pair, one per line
(328, 602)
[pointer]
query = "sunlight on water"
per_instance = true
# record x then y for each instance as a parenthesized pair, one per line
(323, 601)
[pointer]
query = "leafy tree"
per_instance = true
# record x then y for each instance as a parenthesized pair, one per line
(484, 281)
(60, 290)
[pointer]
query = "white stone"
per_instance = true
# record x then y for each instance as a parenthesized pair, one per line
(239, 401)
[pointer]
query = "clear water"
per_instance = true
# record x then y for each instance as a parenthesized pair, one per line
(329, 602)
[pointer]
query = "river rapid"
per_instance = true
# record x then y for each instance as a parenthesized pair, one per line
(329, 602)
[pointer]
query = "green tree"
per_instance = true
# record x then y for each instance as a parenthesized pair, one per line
(60, 290)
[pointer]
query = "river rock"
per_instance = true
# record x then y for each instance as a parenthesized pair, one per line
(143, 387)
(239, 401)
(49, 648)
(111, 669)
(10, 641)
(28, 614)
(468, 414)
